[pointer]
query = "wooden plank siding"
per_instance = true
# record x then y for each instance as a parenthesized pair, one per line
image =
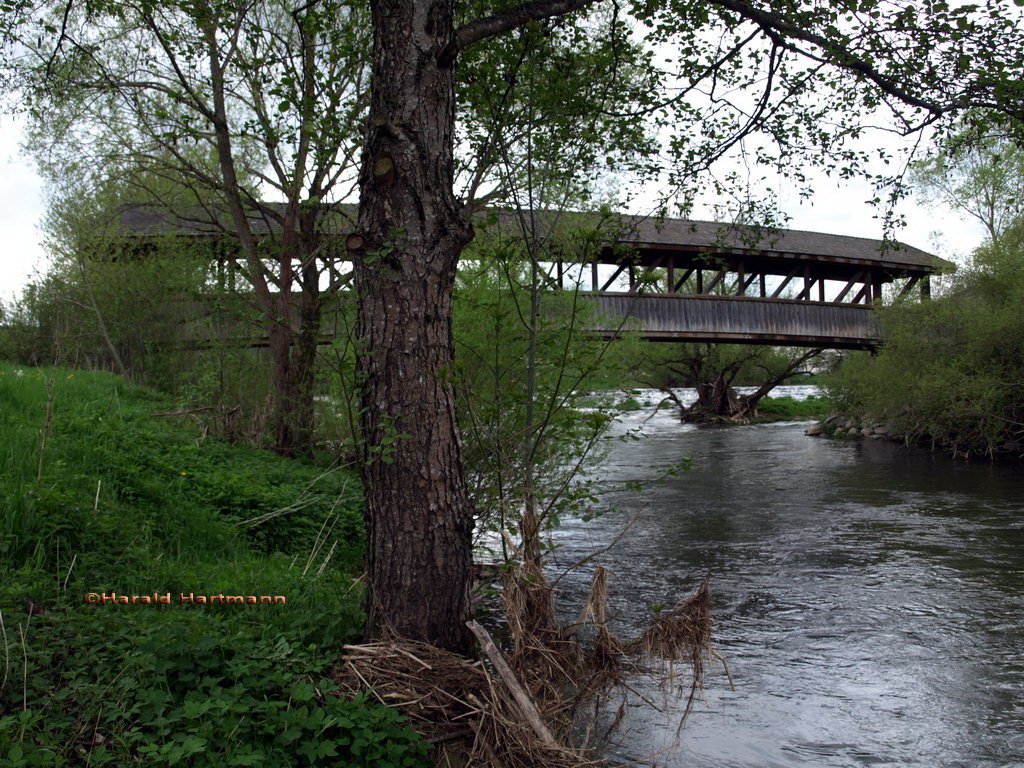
(735, 319)
(657, 317)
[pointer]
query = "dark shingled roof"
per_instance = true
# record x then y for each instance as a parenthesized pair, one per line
(145, 220)
(643, 232)
(711, 235)
(666, 235)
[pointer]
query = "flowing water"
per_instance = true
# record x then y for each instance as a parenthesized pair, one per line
(869, 599)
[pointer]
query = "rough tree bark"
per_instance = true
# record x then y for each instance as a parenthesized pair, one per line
(293, 353)
(410, 234)
(293, 339)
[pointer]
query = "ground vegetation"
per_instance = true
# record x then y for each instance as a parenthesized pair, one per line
(105, 488)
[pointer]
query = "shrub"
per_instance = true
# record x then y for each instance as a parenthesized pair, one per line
(949, 370)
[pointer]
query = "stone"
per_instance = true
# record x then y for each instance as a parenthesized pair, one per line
(815, 430)
(866, 432)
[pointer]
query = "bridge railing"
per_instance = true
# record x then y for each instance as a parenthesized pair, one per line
(734, 319)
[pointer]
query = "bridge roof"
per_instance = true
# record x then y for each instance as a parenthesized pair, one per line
(647, 234)
(708, 236)
(148, 220)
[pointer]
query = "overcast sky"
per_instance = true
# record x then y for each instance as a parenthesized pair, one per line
(840, 210)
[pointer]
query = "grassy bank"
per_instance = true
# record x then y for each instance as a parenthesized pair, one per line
(788, 409)
(101, 494)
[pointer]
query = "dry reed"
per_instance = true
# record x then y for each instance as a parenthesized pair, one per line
(472, 711)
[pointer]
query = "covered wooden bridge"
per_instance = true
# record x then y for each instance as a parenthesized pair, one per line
(681, 280)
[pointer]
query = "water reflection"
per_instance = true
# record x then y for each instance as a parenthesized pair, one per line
(869, 599)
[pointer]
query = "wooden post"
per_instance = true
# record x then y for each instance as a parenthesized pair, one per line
(848, 288)
(718, 278)
(593, 276)
(682, 280)
(671, 279)
(763, 289)
(876, 288)
(785, 282)
(821, 289)
(748, 282)
(739, 279)
(612, 279)
(700, 280)
(926, 288)
(864, 293)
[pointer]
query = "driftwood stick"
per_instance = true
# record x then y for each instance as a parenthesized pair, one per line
(526, 705)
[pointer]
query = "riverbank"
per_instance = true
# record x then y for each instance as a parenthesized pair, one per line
(840, 426)
(107, 488)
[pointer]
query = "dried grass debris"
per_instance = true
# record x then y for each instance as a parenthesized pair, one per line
(516, 708)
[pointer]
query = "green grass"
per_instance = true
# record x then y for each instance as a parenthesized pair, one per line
(786, 408)
(134, 503)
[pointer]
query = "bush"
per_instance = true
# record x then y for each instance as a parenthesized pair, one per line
(949, 371)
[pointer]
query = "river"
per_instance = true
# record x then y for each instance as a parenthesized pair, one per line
(869, 599)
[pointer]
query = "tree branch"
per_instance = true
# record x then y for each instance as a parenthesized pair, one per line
(481, 29)
(782, 30)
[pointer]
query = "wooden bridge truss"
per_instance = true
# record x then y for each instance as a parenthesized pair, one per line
(698, 281)
(680, 280)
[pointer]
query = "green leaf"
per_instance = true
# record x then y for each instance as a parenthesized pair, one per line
(303, 692)
(193, 744)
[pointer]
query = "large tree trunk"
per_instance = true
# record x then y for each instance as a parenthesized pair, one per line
(293, 353)
(418, 516)
(717, 399)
